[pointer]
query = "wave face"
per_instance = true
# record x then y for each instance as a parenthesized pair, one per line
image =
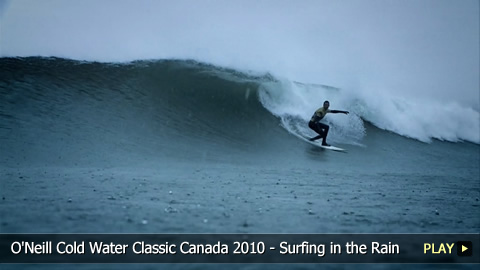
(164, 108)
(56, 109)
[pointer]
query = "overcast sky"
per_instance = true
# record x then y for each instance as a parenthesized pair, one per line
(428, 48)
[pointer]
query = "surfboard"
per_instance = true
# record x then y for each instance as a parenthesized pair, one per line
(331, 147)
(319, 144)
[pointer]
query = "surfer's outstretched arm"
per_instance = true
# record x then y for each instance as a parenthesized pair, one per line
(337, 111)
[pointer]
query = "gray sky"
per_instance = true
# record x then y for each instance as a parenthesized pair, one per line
(425, 48)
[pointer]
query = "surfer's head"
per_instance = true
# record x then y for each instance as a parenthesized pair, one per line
(326, 104)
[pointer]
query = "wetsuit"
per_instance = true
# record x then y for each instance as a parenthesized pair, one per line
(320, 128)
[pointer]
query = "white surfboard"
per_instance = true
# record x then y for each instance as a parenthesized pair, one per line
(331, 147)
(319, 144)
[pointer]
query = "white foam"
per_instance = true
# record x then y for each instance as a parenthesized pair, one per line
(425, 120)
(420, 119)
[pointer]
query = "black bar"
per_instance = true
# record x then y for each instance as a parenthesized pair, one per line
(240, 248)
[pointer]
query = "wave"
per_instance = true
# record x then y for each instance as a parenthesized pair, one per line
(177, 106)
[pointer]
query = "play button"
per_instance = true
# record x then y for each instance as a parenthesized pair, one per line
(464, 248)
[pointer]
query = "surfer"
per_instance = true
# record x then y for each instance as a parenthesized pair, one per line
(321, 128)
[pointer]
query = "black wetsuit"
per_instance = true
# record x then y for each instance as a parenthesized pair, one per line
(317, 126)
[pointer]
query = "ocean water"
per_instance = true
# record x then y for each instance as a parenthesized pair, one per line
(181, 146)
